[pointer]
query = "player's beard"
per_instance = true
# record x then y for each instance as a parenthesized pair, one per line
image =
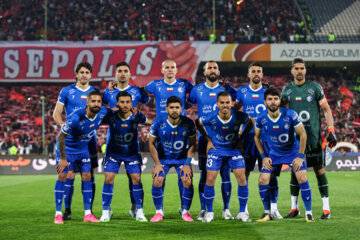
(300, 77)
(273, 108)
(94, 109)
(212, 77)
(174, 115)
(256, 80)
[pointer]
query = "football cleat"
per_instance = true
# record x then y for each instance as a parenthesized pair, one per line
(325, 215)
(226, 215)
(59, 219)
(91, 218)
(209, 217)
(132, 212)
(157, 218)
(67, 214)
(309, 218)
(201, 215)
(275, 214)
(105, 218)
(293, 213)
(140, 217)
(242, 216)
(265, 217)
(187, 217)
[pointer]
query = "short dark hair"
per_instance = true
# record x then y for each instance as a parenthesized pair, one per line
(120, 64)
(297, 60)
(85, 65)
(272, 92)
(211, 61)
(123, 94)
(173, 99)
(94, 93)
(223, 94)
(254, 64)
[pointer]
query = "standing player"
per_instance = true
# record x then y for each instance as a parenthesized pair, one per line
(280, 125)
(204, 95)
(71, 98)
(72, 151)
(137, 94)
(123, 146)
(224, 147)
(306, 98)
(251, 98)
(172, 144)
(163, 89)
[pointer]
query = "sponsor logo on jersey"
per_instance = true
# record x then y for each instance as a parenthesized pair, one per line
(92, 125)
(276, 127)
(255, 96)
(124, 125)
(83, 97)
(174, 133)
(169, 89)
(212, 94)
(298, 99)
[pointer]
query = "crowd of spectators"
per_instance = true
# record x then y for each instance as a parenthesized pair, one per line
(21, 111)
(268, 21)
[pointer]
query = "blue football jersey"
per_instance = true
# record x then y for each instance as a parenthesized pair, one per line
(74, 98)
(136, 93)
(280, 132)
(123, 134)
(172, 141)
(224, 135)
(162, 91)
(80, 130)
(253, 104)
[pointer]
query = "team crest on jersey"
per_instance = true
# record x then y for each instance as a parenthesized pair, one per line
(180, 90)
(286, 126)
(309, 98)
(184, 133)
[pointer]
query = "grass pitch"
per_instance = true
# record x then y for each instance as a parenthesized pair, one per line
(27, 212)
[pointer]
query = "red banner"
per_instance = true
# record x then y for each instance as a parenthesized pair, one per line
(57, 61)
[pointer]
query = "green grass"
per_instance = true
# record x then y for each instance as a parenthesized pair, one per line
(27, 212)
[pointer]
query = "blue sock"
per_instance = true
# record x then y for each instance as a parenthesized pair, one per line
(243, 195)
(306, 194)
(209, 195)
(201, 189)
(131, 193)
(138, 194)
(107, 195)
(181, 189)
(265, 196)
(187, 197)
(69, 191)
(274, 190)
(225, 186)
(158, 196)
(93, 187)
(59, 194)
(87, 194)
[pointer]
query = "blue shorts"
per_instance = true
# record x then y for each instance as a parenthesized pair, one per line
(112, 163)
(217, 158)
(167, 167)
(77, 162)
(279, 159)
(92, 147)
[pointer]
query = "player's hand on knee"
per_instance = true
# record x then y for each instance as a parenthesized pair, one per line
(187, 171)
(61, 166)
(156, 171)
(209, 146)
(297, 163)
(267, 163)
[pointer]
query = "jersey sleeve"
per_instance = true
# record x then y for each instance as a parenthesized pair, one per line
(144, 97)
(150, 87)
(63, 96)
(154, 129)
(205, 120)
(106, 97)
(192, 131)
(239, 95)
(192, 97)
(283, 93)
(70, 124)
(320, 95)
(232, 91)
(142, 118)
(258, 123)
(295, 119)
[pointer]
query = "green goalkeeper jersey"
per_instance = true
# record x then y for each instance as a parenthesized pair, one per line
(306, 100)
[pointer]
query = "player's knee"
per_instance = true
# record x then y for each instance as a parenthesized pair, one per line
(301, 178)
(186, 182)
(319, 170)
(86, 176)
(264, 179)
(71, 175)
(158, 182)
(135, 178)
(62, 177)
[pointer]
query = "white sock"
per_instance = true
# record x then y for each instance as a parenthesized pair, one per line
(105, 212)
(185, 211)
(139, 211)
(246, 209)
(160, 211)
(294, 202)
(58, 212)
(273, 207)
(267, 211)
(87, 212)
(326, 205)
(308, 212)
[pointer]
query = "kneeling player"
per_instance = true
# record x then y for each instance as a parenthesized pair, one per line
(123, 146)
(224, 147)
(172, 144)
(280, 125)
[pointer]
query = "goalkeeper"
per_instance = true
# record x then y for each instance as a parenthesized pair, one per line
(306, 98)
